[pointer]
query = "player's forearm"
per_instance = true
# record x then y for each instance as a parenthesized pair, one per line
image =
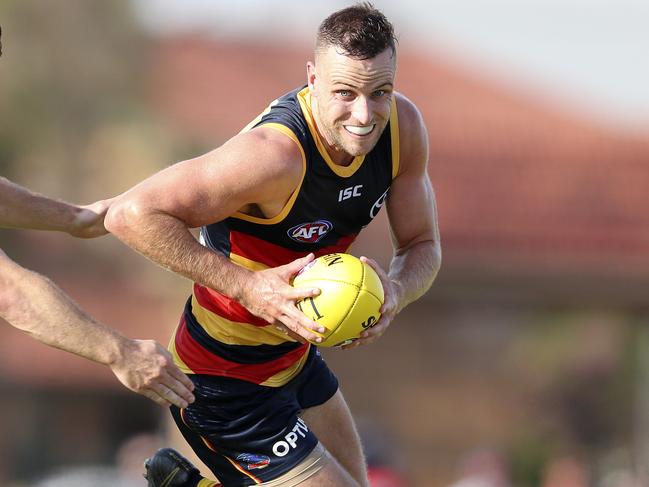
(35, 305)
(168, 242)
(21, 208)
(414, 269)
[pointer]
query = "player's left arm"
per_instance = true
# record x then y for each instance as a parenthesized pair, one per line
(22, 208)
(412, 213)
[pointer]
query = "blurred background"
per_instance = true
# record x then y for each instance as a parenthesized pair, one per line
(527, 363)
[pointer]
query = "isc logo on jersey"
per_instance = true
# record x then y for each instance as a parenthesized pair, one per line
(311, 232)
(351, 192)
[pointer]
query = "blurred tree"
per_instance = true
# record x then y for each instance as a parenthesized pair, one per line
(76, 121)
(578, 369)
(68, 68)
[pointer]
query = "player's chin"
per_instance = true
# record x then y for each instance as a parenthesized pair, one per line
(360, 148)
(356, 145)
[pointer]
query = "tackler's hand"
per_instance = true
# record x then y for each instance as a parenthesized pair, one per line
(89, 220)
(145, 367)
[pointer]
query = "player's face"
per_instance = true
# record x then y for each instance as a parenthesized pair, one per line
(351, 100)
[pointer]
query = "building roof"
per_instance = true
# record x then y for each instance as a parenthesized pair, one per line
(522, 179)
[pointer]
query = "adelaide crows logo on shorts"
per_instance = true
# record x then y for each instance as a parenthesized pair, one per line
(252, 461)
(311, 232)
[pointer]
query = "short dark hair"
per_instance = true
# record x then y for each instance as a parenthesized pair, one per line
(360, 31)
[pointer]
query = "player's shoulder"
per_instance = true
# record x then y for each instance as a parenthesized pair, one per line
(413, 135)
(277, 155)
(278, 144)
(410, 119)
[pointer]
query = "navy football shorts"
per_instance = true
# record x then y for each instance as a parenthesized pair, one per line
(248, 434)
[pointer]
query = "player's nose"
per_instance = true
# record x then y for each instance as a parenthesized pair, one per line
(362, 111)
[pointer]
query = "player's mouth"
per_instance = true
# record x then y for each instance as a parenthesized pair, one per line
(360, 131)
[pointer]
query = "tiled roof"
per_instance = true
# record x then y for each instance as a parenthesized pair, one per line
(520, 177)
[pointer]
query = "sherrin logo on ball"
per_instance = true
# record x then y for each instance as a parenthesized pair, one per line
(350, 298)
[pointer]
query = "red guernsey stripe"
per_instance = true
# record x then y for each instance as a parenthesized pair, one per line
(259, 251)
(226, 307)
(275, 255)
(202, 361)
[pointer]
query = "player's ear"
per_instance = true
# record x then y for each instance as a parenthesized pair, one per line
(310, 75)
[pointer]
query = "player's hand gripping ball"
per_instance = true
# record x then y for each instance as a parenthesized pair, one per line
(350, 298)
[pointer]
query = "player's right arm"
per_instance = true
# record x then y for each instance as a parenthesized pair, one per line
(255, 171)
(35, 305)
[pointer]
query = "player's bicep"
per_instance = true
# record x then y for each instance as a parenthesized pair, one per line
(215, 185)
(412, 211)
(411, 205)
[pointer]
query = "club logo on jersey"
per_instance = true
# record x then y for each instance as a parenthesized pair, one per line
(252, 461)
(310, 232)
(379, 204)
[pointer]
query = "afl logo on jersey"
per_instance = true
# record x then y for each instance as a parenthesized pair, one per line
(310, 232)
(379, 204)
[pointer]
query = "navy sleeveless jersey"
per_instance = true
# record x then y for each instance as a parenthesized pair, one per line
(324, 214)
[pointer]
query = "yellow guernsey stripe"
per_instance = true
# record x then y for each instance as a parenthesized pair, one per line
(247, 263)
(177, 360)
(394, 137)
(289, 204)
(287, 374)
(304, 97)
(251, 125)
(235, 333)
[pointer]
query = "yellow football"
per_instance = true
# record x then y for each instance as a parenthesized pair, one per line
(350, 298)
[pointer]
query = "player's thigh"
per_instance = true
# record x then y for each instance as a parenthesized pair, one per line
(334, 426)
(319, 469)
(331, 475)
